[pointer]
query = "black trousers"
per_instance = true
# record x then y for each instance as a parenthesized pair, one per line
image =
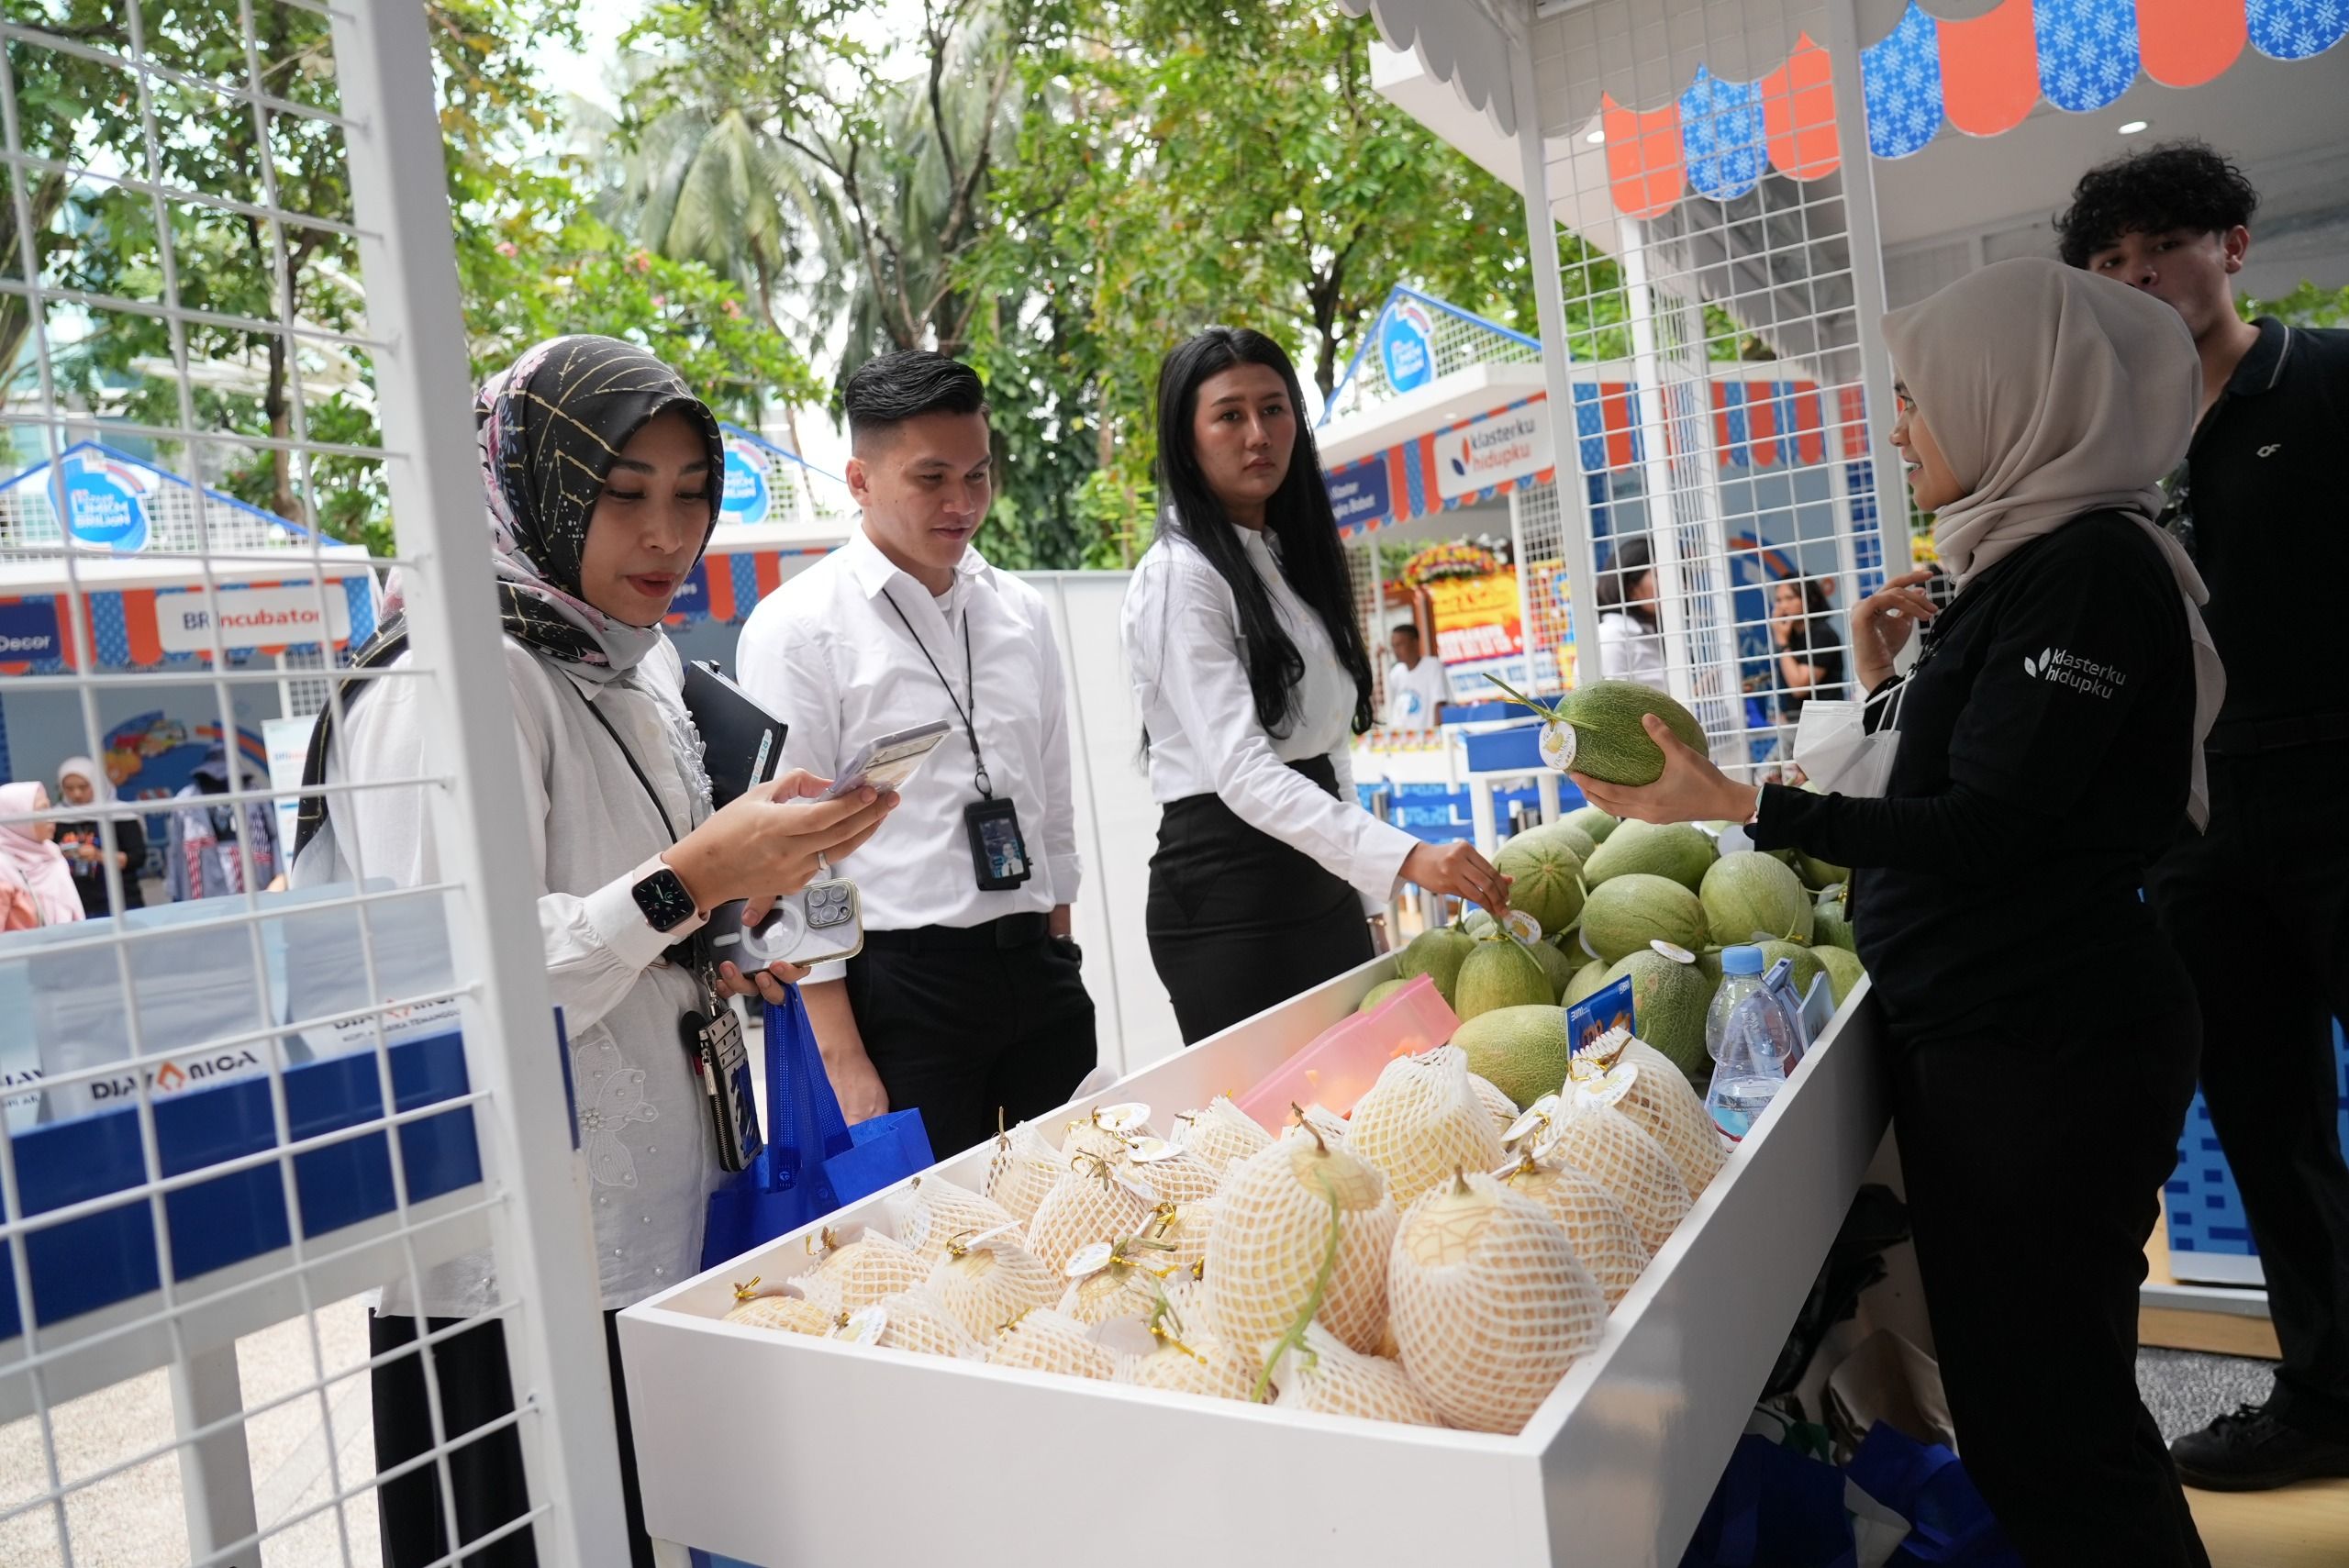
(2034, 1158)
(2259, 908)
(962, 1023)
(486, 1475)
(1239, 921)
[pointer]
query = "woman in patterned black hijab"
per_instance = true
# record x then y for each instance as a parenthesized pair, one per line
(550, 429)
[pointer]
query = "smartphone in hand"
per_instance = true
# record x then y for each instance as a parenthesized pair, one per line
(889, 761)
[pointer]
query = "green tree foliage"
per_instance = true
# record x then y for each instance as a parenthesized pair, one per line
(533, 260)
(2307, 305)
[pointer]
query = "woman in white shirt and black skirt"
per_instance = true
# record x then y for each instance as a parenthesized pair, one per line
(1247, 657)
(601, 475)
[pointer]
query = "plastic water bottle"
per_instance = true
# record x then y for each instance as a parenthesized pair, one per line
(1759, 1043)
(1779, 986)
(1741, 978)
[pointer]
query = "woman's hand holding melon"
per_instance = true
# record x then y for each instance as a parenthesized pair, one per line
(1459, 869)
(1690, 789)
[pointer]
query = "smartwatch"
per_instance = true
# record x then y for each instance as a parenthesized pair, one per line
(660, 894)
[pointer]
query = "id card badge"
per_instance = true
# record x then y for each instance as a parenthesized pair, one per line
(723, 1065)
(998, 851)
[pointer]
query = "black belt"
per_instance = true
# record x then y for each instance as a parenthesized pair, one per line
(1009, 931)
(2249, 736)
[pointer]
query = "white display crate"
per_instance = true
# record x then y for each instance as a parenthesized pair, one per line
(790, 1451)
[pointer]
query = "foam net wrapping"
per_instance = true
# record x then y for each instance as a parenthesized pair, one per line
(790, 1314)
(1274, 1233)
(1085, 1135)
(919, 1322)
(930, 1211)
(1499, 1106)
(1603, 1235)
(1422, 1121)
(992, 1283)
(1044, 1341)
(1617, 1153)
(858, 1275)
(1327, 1377)
(1186, 1232)
(1220, 1134)
(1100, 1202)
(1205, 1365)
(1118, 1292)
(1180, 1177)
(1021, 1170)
(1491, 1305)
(1661, 1101)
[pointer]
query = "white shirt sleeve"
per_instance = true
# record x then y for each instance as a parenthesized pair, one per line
(1204, 680)
(788, 673)
(1060, 795)
(597, 944)
(1630, 652)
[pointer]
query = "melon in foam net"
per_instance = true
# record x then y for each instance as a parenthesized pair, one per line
(986, 1285)
(858, 1275)
(1219, 1133)
(1045, 1340)
(1622, 1157)
(1421, 1120)
(1323, 1375)
(1301, 1217)
(1021, 1169)
(1491, 1306)
(1604, 1238)
(1101, 1200)
(929, 1211)
(1659, 1098)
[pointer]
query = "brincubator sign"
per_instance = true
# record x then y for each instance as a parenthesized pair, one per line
(1510, 445)
(250, 618)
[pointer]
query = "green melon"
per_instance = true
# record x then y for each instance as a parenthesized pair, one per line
(1587, 980)
(1380, 993)
(1522, 1051)
(1748, 894)
(1830, 929)
(1546, 876)
(1680, 851)
(1501, 973)
(1555, 964)
(1669, 1000)
(1438, 953)
(1818, 873)
(1710, 960)
(1806, 965)
(1592, 820)
(1608, 741)
(1476, 922)
(1624, 915)
(1844, 970)
(1582, 844)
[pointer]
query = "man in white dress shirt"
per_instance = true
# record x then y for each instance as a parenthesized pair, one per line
(1417, 686)
(967, 998)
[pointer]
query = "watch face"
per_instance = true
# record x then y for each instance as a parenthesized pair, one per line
(665, 900)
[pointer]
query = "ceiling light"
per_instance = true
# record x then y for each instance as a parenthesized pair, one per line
(2134, 126)
(1599, 135)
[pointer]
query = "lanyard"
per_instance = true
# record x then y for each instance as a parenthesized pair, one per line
(690, 954)
(970, 676)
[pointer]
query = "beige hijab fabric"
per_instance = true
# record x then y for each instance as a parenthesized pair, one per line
(2053, 393)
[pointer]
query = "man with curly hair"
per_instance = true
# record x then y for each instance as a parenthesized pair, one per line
(2257, 906)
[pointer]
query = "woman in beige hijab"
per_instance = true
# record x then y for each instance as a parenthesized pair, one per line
(2049, 748)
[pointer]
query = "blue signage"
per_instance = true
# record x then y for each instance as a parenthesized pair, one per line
(1406, 345)
(28, 631)
(105, 507)
(746, 485)
(1358, 494)
(691, 597)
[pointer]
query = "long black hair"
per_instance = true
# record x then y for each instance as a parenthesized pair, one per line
(1297, 515)
(1635, 558)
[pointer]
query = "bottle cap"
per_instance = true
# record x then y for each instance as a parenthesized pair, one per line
(1742, 961)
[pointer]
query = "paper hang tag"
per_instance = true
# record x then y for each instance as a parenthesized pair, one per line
(864, 1327)
(1593, 1060)
(1135, 1184)
(986, 1238)
(1557, 744)
(1151, 1150)
(1676, 954)
(1523, 926)
(1123, 1118)
(1607, 1087)
(1538, 1130)
(1086, 1261)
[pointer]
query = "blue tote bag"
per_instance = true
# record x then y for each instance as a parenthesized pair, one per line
(814, 1162)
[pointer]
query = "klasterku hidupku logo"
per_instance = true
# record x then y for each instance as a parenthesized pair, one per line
(2064, 668)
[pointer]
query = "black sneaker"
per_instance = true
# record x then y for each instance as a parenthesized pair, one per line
(2251, 1450)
